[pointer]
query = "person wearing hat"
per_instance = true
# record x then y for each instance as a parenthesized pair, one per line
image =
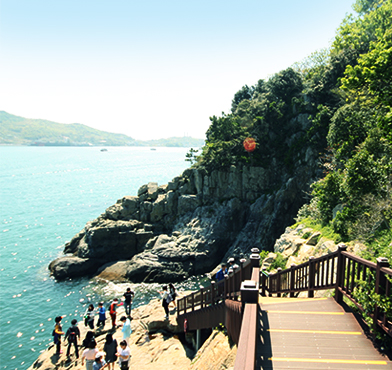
(100, 362)
(57, 333)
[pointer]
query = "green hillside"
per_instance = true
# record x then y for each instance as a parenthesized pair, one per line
(338, 103)
(15, 130)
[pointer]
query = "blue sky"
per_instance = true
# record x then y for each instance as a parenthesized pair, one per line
(150, 69)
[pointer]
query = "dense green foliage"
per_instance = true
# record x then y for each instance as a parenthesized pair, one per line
(359, 171)
(338, 102)
(16, 130)
(263, 112)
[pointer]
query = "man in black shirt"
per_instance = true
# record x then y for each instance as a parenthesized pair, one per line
(73, 334)
(128, 295)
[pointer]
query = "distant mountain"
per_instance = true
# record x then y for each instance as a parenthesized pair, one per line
(15, 130)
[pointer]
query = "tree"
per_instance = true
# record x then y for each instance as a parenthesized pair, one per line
(191, 156)
(363, 7)
(246, 92)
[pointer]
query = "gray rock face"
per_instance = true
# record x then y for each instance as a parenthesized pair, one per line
(70, 266)
(171, 232)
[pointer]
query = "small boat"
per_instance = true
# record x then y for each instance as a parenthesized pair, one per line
(152, 149)
(104, 150)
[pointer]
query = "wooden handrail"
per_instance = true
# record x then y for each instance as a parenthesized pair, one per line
(229, 288)
(246, 352)
(220, 303)
(341, 271)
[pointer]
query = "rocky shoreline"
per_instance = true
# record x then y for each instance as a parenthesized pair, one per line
(154, 342)
(187, 227)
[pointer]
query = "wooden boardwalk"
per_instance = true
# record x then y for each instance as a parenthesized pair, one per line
(312, 333)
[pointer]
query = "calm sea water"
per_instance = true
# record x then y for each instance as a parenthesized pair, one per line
(47, 194)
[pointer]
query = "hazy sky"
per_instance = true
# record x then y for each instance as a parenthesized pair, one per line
(152, 68)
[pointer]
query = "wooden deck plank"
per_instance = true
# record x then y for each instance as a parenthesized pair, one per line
(312, 334)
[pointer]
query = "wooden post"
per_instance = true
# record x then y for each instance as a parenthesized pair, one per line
(242, 262)
(340, 274)
(312, 275)
(235, 276)
(198, 339)
(225, 287)
(255, 258)
(292, 280)
(232, 284)
(380, 279)
(263, 283)
(202, 298)
(278, 287)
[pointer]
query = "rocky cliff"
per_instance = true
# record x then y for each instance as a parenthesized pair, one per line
(187, 227)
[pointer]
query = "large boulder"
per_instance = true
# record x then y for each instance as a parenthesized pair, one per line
(71, 267)
(110, 240)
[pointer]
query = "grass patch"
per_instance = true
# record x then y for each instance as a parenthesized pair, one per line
(325, 231)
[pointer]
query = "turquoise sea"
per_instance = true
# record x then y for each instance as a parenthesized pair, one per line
(47, 194)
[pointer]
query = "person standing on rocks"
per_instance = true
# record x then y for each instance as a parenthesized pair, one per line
(88, 339)
(128, 295)
(110, 348)
(89, 317)
(73, 334)
(173, 294)
(112, 312)
(101, 315)
(126, 330)
(124, 355)
(165, 301)
(89, 355)
(57, 333)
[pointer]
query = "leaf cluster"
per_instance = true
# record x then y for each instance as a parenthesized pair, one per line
(355, 196)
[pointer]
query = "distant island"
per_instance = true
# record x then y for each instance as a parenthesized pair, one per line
(15, 130)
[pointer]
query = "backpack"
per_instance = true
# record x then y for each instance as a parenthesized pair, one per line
(72, 335)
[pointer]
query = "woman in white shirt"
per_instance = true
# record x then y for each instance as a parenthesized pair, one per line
(124, 355)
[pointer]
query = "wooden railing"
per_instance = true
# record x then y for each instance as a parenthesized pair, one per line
(341, 271)
(229, 288)
(231, 302)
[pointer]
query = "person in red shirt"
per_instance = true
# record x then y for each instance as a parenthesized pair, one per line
(112, 312)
